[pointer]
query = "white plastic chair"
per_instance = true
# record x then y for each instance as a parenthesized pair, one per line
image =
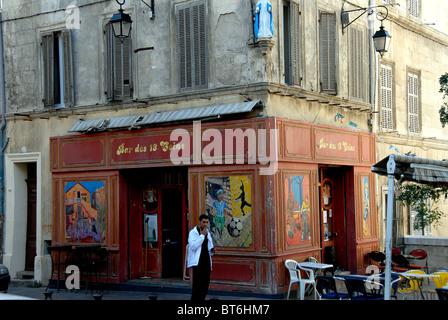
(295, 277)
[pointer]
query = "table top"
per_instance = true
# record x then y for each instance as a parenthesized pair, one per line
(315, 265)
(416, 275)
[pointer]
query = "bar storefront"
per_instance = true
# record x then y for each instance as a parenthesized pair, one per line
(277, 189)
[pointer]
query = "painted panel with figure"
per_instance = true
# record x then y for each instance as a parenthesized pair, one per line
(85, 211)
(228, 203)
(298, 213)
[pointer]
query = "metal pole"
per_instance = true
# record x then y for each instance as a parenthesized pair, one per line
(390, 211)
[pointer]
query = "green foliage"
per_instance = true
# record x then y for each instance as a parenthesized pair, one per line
(422, 199)
(443, 81)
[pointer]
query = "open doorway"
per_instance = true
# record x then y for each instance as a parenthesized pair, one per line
(335, 188)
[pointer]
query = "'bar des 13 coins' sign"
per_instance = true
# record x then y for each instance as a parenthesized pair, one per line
(336, 145)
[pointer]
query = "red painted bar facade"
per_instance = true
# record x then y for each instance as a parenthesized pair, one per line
(123, 190)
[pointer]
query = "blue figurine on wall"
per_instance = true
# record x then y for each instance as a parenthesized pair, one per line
(263, 26)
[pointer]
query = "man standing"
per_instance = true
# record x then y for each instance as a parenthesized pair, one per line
(200, 249)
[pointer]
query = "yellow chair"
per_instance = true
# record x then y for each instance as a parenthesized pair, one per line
(439, 282)
(408, 285)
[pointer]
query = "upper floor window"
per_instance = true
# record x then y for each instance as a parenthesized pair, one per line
(192, 45)
(413, 103)
(57, 69)
(414, 8)
(118, 66)
(386, 98)
(291, 43)
(327, 52)
(357, 72)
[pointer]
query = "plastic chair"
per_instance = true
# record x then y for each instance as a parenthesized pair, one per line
(356, 288)
(395, 280)
(419, 254)
(439, 282)
(296, 277)
(442, 293)
(401, 263)
(326, 288)
(410, 285)
(379, 257)
(396, 251)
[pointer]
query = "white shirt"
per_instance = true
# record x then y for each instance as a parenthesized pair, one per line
(195, 240)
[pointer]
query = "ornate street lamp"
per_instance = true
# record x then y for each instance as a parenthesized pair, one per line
(381, 40)
(121, 23)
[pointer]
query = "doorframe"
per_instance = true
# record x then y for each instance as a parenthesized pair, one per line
(16, 216)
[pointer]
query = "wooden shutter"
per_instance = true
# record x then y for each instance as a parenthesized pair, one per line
(296, 43)
(387, 121)
(118, 66)
(356, 64)
(48, 69)
(413, 103)
(327, 52)
(414, 8)
(192, 45)
(68, 68)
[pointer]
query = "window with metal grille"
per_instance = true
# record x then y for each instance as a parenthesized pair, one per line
(327, 52)
(57, 69)
(413, 103)
(387, 114)
(192, 45)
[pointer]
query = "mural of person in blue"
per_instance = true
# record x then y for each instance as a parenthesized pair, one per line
(219, 211)
(263, 25)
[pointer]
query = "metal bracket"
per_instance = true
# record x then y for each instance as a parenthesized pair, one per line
(152, 7)
(345, 15)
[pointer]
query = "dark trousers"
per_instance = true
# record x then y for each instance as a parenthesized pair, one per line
(201, 280)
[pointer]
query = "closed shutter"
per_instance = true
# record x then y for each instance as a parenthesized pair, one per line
(296, 43)
(413, 103)
(327, 52)
(68, 68)
(387, 121)
(118, 66)
(192, 45)
(414, 8)
(356, 65)
(48, 69)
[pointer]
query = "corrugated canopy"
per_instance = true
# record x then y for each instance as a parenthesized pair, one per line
(426, 171)
(130, 122)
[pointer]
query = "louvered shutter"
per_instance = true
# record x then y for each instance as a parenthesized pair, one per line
(295, 43)
(356, 65)
(387, 121)
(118, 66)
(414, 8)
(413, 103)
(327, 52)
(192, 45)
(68, 68)
(48, 69)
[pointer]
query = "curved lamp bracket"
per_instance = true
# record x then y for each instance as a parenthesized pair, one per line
(345, 15)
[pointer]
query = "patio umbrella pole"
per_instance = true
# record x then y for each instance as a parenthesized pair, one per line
(390, 211)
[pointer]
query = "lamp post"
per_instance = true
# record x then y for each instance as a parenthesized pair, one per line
(121, 23)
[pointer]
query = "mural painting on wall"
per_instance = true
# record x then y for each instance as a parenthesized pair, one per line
(298, 214)
(366, 206)
(85, 211)
(228, 203)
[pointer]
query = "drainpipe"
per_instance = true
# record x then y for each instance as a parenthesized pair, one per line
(2, 129)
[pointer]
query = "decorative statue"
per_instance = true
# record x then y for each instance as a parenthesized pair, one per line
(263, 26)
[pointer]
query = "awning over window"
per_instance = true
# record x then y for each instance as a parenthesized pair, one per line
(427, 171)
(130, 122)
